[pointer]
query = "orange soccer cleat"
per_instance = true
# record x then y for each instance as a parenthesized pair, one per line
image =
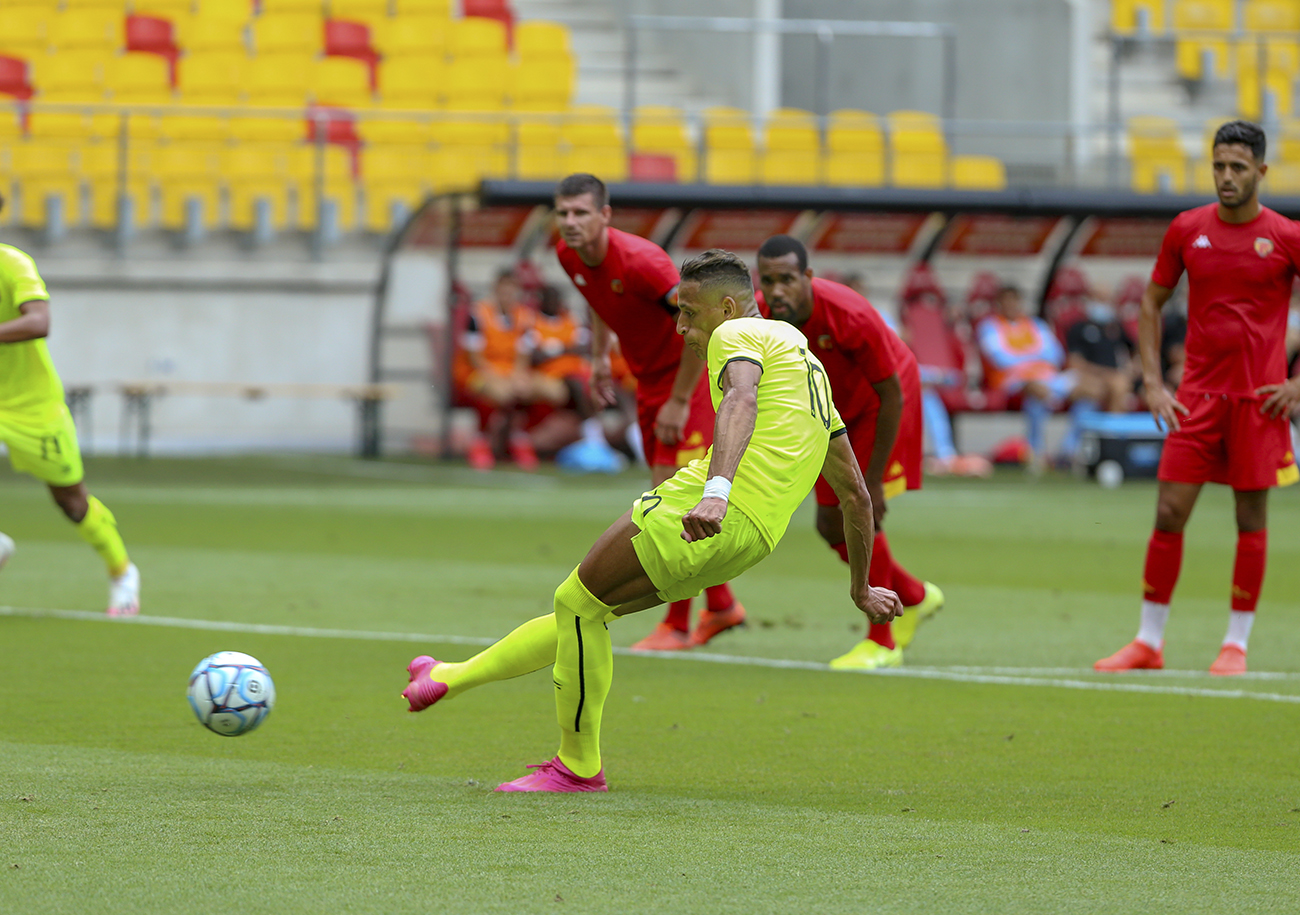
(711, 623)
(1133, 656)
(664, 638)
(1231, 662)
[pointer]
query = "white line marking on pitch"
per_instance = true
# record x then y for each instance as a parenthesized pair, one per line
(998, 676)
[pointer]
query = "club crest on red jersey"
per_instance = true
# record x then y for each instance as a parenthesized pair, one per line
(617, 285)
(1263, 246)
(579, 280)
(825, 341)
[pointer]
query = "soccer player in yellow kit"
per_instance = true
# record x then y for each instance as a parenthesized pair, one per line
(776, 431)
(37, 428)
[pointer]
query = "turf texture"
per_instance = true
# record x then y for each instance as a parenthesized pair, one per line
(993, 774)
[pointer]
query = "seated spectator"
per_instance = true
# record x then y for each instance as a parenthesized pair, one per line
(1024, 357)
(1101, 354)
(1173, 340)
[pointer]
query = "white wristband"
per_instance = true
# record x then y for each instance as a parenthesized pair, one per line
(717, 488)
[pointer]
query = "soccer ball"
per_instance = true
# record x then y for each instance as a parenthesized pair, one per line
(231, 693)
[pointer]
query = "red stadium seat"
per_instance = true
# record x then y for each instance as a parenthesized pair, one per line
(493, 9)
(154, 35)
(352, 39)
(337, 125)
(14, 80)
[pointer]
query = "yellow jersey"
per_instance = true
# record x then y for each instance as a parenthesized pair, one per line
(28, 382)
(796, 420)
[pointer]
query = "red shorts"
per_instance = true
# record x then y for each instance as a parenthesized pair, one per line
(696, 438)
(903, 472)
(1228, 440)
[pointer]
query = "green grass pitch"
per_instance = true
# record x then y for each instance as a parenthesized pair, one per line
(994, 773)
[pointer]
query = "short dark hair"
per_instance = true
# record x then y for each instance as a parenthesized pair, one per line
(581, 183)
(1243, 133)
(781, 245)
(506, 273)
(719, 269)
(1008, 289)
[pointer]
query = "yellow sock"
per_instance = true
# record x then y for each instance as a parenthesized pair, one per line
(584, 670)
(528, 648)
(99, 529)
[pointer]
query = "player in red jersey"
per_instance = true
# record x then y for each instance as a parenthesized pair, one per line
(1228, 422)
(877, 389)
(631, 286)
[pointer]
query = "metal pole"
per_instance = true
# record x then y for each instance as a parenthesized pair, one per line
(320, 123)
(1112, 116)
(629, 75)
(822, 73)
(123, 151)
(949, 85)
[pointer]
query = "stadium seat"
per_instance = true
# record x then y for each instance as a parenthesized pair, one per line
(101, 166)
(216, 27)
(469, 150)
(477, 83)
(167, 9)
(411, 36)
(117, 7)
(289, 7)
(368, 11)
(290, 33)
(441, 8)
(918, 152)
(1156, 153)
(791, 148)
(978, 173)
(855, 149)
(594, 143)
(342, 82)
(281, 80)
(1137, 16)
(498, 10)
(188, 178)
(338, 187)
(387, 131)
(538, 153)
(45, 172)
(15, 80)
(1210, 21)
(26, 32)
(729, 154)
(542, 83)
(659, 130)
(352, 40)
(257, 184)
(394, 180)
(154, 35)
(138, 77)
(539, 38)
(475, 36)
(1273, 53)
(211, 79)
(411, 82)
(70, 76)
(1282, 178)
(91, 30)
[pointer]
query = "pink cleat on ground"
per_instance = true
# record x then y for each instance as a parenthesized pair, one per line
(1135, 655)
(1231, 662)
(423, 692)
(555, 776)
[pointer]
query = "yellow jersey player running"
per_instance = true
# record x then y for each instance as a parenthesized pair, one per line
(776, 430)
(37, 428)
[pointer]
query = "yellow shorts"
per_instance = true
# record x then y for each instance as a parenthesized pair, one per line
(44, 445)
(679, 569)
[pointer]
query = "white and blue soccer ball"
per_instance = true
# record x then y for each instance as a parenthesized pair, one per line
(231, 693)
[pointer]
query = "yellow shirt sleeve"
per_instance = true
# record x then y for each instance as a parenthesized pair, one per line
(18, 273)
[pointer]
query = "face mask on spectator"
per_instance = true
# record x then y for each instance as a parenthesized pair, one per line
(1101, 312)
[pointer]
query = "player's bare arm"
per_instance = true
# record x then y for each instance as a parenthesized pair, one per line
(732, 430)
(32, 324)
(672, 416)
(602, 372)
(841, 470)
(1164, 406)
(888, 420)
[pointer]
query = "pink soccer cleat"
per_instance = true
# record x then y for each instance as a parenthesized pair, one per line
(1231, 662)
(423, 692)
(1135, 655)
(664, 638)
(555, 776)
(714, 623)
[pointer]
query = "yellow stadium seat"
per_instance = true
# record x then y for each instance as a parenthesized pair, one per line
(339, 185)
(290, 7)
(594, 143)
(1275, 57)
(1129, 16)
(422, 8)
(918, 151)
(1156, 154)
(477, 83)
(411, 83)
(1205, 17)
(359, 10)
(26, 31)
(542, 83)
(394, 180)
(290, 33)
(660, 130)
(281, 80)
(384, 131)
(197, 126)
(80, 6)
(474, 36)
(411, 36)
(539, 38)
(138, 78)
(42, 169)
(184, 171)
(855, 149)
(48, 6)
(1284, 143)
(729, 156)
(1280, 90)
(102, 168)
(978, 173)
(70, 75)
(538, 153)
(469, 150)
(256, 172)
(167, 9)
(216, 27)
(791, 148)
(212, 79)
(90, 30)
(342, 82)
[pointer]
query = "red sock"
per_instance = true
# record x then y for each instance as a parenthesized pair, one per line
(679, 615)
(1164, 560)
(910, 591)
(881, 634)
(719, 597)
(1248, 570)
(842, 548)
(881, 572)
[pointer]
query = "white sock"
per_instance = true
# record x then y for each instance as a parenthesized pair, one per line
(1154, 617)
(593, 433)
(634, 442)
(1239, 623)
